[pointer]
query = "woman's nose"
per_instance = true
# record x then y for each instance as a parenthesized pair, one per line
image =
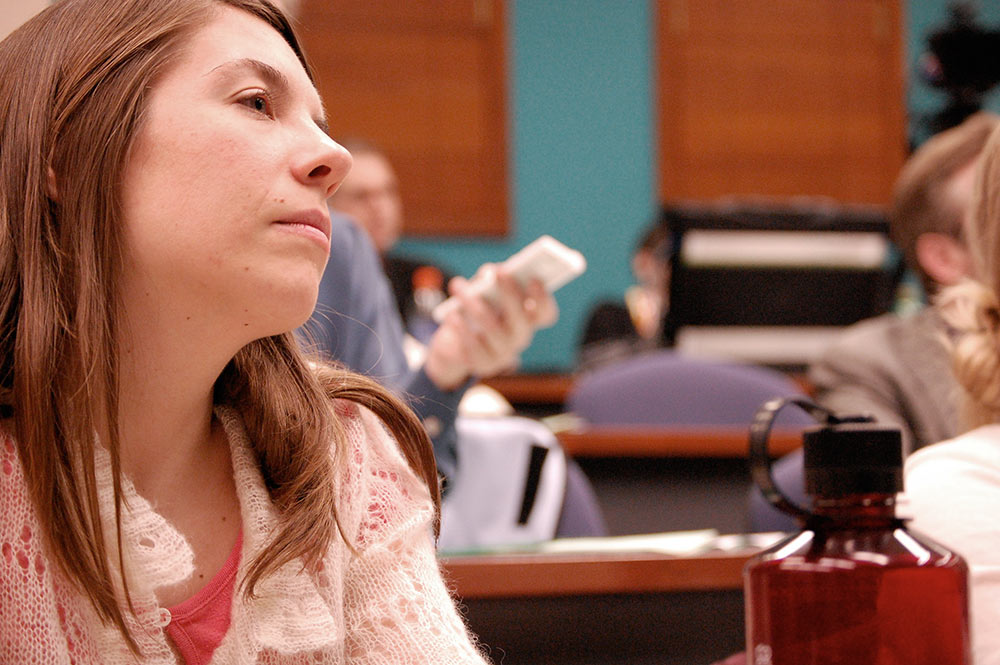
(324, 164)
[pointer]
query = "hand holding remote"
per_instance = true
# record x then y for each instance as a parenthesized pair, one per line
(500, 310)
(546, 259)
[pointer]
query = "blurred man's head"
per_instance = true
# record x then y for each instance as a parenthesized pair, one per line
(370, 195)
(650, 263)
(933, 196)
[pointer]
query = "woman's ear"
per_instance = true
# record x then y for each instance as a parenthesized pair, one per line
(50, 185)
(944, 259)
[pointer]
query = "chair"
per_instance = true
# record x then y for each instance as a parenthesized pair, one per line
(514, 485)
(665, 388)
(789, 475)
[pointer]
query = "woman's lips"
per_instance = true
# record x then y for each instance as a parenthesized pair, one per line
(310, 223)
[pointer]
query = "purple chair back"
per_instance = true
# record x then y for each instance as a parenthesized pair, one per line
(665, 388)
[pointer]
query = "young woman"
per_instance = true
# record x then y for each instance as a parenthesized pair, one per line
(954, 486)
(178, 483)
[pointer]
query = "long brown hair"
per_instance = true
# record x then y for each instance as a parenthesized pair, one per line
(74, 83)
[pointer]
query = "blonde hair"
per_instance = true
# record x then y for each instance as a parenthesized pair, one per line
(74, 82)
(920, 203)
(972, 308)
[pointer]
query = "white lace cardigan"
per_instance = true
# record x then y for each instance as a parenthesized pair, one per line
(387, 604)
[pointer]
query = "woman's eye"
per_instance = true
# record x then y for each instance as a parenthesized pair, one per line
(258, 102)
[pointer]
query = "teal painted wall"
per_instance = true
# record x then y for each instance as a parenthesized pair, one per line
(583, 144)
(582, 163)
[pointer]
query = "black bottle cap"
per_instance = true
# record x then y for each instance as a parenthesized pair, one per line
(853, 458)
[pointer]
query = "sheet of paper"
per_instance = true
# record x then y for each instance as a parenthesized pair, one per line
(675, 542)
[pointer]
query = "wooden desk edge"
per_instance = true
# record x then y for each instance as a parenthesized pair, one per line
(671, 442)
(535, 389)
(522, 576)
(552, 388)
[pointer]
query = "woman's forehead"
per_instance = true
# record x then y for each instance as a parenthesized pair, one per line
(233, 40)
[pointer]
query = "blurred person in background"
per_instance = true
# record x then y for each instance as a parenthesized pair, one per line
(358, 322)
(618, 329)
(894, 366)
(370, 196)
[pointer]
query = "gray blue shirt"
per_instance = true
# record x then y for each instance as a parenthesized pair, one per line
(356, 323)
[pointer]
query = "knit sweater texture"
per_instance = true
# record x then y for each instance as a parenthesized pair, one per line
(385, 602)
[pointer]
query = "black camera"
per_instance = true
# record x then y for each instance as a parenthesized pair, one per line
(963, 60)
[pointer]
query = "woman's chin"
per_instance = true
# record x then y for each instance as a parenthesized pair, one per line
(282, 315)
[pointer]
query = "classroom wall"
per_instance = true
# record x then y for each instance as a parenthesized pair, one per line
(582, 132)
(582, 159)
(582, 162)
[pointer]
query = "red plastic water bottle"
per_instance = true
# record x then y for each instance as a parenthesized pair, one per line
(855, 586)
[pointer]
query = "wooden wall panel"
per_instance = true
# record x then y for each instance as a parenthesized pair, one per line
(427, 82)
(779, 98)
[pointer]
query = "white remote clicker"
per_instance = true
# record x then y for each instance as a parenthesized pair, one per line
(546, 259)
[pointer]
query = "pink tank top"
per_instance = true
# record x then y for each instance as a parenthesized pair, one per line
(198, 625)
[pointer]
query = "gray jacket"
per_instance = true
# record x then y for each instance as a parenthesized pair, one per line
(896, 369)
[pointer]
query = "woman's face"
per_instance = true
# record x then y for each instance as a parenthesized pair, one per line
(225, 192)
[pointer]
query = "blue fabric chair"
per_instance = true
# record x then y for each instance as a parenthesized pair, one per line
(665, 388)
(789, 476)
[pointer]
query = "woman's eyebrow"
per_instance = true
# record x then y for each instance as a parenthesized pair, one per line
(273, 78)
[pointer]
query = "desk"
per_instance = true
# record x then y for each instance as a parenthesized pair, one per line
(534, 575)
(553, 387)
(602, 609)
(673, 441)
(545, 393)
(533, 394)
(652, 479)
